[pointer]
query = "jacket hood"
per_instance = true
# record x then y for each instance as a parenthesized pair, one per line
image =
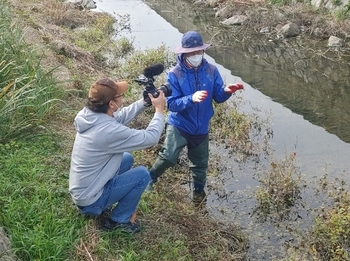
(87, 119)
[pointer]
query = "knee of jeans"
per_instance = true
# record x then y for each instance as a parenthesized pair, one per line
(128, 157)
(144, 172)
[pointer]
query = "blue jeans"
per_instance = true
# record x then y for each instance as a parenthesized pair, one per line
(125, 188)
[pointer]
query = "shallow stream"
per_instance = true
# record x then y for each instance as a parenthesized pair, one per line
(304, 96)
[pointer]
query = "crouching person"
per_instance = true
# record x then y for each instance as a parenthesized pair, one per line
(101, 172)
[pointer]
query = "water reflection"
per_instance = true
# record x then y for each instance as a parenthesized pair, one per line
(304, 77)
(314, 87)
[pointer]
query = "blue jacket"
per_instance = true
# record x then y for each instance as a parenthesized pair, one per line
(194, 118)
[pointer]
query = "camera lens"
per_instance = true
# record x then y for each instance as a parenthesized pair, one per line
(166, 89)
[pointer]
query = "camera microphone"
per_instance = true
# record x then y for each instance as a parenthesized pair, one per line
(146, 79)
(153, 70)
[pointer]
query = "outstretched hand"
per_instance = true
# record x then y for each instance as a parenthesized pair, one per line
(199, 96)
(231, 88)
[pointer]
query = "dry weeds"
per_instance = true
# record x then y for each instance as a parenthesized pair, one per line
(49, 26)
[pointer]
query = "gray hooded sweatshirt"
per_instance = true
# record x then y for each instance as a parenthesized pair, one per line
(99, 145)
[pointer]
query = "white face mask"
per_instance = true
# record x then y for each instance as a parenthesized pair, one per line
(119, 108)
(195, 60)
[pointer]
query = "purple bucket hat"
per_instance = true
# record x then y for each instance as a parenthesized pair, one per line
(191, 42)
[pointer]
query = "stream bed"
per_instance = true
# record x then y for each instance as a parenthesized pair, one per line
(302, 96)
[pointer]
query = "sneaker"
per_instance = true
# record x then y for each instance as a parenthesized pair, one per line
(129, 227)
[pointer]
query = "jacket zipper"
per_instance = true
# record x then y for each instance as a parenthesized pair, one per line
(197, 89)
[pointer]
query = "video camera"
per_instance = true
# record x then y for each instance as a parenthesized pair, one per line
(147, 78)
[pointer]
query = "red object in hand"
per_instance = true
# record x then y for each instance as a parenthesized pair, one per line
(233, 87)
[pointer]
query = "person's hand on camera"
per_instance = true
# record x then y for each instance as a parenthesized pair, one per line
(159, 102)
(231, 88)
(199, 96)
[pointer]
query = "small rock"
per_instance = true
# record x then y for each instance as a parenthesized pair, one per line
(290, 30)
(81, 4)
(235, 20)
(334, 41)
(278, 27)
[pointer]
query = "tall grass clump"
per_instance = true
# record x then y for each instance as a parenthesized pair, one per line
(280, 186)
(27, 92)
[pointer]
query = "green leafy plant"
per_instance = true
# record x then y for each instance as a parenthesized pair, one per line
(280, 186)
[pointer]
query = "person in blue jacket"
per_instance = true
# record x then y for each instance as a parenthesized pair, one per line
(195, 83)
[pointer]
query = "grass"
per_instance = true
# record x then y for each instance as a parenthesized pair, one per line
(139, 60)
(230, 126)
(28, 92)
(35, 207)
(42, 223)
(331, 232)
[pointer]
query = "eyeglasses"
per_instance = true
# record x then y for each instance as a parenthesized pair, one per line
(117, 96)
